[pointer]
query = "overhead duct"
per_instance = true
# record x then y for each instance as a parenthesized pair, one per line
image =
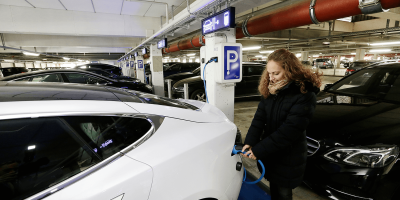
(295, 15)
(193, 42)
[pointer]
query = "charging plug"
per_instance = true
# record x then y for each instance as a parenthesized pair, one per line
(215, 59)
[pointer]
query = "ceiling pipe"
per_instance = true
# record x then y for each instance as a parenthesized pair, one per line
(185, 44)
(292, 16)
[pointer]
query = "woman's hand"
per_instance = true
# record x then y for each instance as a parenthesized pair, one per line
(248, 153)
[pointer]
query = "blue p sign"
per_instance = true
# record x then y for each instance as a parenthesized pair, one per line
(140, 63)
(231, 62)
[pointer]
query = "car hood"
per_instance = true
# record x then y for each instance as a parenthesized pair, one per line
(193, 79)
(358, 123)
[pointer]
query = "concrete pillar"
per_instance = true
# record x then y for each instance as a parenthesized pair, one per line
(375, 56)
(139, 62)
(360, 54)
(311, 58)
(304, 56)
(337, 62)
(157, 73)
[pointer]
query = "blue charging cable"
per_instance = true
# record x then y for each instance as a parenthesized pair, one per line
(234, 151)
(215, 59)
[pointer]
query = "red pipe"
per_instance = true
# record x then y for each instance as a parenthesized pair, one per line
(291, 16)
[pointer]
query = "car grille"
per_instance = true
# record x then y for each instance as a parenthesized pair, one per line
(312, 146)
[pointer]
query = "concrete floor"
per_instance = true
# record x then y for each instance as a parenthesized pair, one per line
(244, 113)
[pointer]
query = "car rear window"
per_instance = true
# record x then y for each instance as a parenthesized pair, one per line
(377, 83)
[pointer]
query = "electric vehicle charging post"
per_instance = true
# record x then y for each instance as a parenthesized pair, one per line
(222, 75)
(156, 68)
(132, 67)
(139, 62)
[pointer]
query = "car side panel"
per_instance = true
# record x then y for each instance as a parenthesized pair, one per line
(124, 176)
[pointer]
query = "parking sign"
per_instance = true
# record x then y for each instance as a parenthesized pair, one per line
(232, 62)
(140, 64)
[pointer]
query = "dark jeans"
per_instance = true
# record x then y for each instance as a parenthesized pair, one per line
(280, 193)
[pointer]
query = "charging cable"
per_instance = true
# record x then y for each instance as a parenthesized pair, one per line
(213, 59)
(235, 151)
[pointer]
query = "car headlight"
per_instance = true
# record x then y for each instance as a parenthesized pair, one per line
(369, 156)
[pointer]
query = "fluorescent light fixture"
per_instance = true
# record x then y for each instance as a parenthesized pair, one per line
(8, 60)
(380, 50)
(320, 53)
(31, 147)
(30, 54)
(258, 56)
(353, 53)
(251, 48)
(166, 57)
(385, 43)
(315, 56)
(192, 54)
(298, 54)
(44, 59)
(192, 57)
(346, 19)
(65, 58)
(266, 51)
(326, 43)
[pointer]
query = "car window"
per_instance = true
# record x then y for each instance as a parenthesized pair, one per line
(175, 67)
(380, 83)
(103, 73)
(24, 79)
(46, 78)
(37, 153)
(254, 70)
(107, 135)
(84, 79)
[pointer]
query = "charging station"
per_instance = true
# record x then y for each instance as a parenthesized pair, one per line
(139, 62)
(225, 56)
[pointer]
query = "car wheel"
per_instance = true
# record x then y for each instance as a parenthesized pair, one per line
(199, 95)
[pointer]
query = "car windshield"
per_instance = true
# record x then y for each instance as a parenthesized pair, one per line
(197, 70)
(381, 83)
(360, 64)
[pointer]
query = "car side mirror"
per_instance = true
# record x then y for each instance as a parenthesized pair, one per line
(327, 86)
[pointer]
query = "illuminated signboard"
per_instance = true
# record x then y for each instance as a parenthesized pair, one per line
(221, 20)
(162, 43)
(144, 51)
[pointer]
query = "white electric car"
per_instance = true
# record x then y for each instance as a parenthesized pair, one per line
(67, 141)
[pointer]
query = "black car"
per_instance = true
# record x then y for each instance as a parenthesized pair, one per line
(305, 62)
(13, 70)
(354, 136)
(110, 68)
(110, 75)
(77, 76)
(246, 88)
(356, 65)
(177, 77)
(180, 67)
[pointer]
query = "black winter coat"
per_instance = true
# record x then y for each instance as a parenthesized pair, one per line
(277, 133)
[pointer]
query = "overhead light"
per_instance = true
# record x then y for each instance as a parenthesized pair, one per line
(166, 57)
(346, 19)
(298, 54)
(251, 48)
(31, 147)
(380, 50)
(44, 59)
(320, 53)
(266, 51)
(191, 57)
(326, 43)
(353, 53)
(258, 56)
(80, 60)
(385, 43)
(30, 54)
(315, 56)
(65, 58)
(192, 54)
(8, 60)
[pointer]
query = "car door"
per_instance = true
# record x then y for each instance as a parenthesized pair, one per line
(252, 79)
(73, 157)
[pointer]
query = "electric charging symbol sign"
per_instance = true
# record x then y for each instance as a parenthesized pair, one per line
(140, 64)
(231, 62)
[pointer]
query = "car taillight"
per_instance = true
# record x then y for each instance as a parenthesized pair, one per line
(350, 70)
(324, 63)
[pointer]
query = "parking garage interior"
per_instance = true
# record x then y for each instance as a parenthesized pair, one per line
(334, 37)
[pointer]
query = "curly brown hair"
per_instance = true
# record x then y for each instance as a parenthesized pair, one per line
(294, 71)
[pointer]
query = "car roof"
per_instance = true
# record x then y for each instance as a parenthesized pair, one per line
(98, 64)
(9, 78)
(30, 91)
(366, 61)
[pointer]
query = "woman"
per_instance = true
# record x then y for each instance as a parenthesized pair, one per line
(277, 133)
